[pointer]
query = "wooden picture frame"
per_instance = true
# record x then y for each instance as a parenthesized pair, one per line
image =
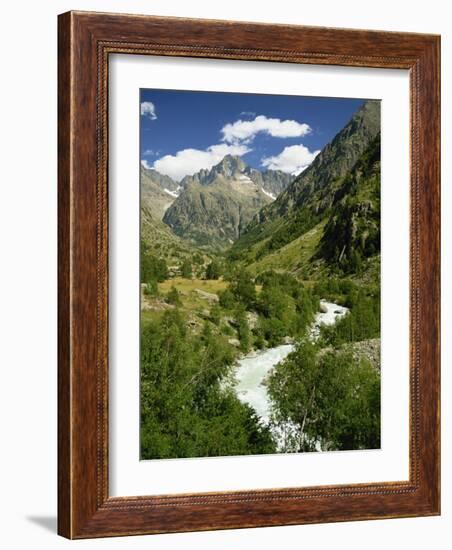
(86, 40)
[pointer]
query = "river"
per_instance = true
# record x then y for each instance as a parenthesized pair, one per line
(253, 369)
(250, 376)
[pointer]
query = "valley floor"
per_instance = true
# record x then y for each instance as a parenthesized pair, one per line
(251, 331)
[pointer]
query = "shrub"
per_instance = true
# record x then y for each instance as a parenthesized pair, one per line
(213, 270)
(272, 330)
(186, 269)
(151, 267)
(227, 299)
(215, 314)
(173, 297)
(242, 287)
(243, 330)
(151, 288)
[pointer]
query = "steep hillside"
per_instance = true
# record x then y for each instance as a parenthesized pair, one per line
(352, 233)
(313, 186)
(307, 200)
(158, 192)
(346, 240)
(161, 242)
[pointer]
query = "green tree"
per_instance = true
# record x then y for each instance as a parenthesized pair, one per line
(361, 323)
(184, 410)
(327, 398)
(186, 269)
(243, 330)
(242, 287)
(306, 306)
(275, 303)
(151, 288)
(173, 297)
(152, 268)
(213, 270)
(227, 299)
(272, 330)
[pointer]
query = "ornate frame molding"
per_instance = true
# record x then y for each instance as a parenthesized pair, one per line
(85, 42)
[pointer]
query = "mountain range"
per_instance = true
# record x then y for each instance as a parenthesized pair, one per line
(215, 206)
(329, 214)
(272, 182)
(294, 228)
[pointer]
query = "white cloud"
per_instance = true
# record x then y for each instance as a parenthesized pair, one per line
(148, 110)
(145, 164)
(245, 130)
(150, 153)
(293, 159)
(189, 161)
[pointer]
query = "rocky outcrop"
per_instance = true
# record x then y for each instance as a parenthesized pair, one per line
(369, 350)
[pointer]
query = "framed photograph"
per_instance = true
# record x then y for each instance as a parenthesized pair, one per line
(248, 275)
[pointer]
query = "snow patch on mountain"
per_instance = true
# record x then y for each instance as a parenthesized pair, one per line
(271, 195)
(244, 179)
(174, 194)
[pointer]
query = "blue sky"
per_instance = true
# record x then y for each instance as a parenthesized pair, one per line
(183, 131)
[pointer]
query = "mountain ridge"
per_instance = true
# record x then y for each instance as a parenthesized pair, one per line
(306, 200)
(158, 191)
(272, 181)
(345, 240)
(216, 205)
(333, 162)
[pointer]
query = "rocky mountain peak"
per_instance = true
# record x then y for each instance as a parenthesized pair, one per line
(230, 166)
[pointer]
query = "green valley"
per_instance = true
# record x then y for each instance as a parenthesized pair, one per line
(260, 304)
